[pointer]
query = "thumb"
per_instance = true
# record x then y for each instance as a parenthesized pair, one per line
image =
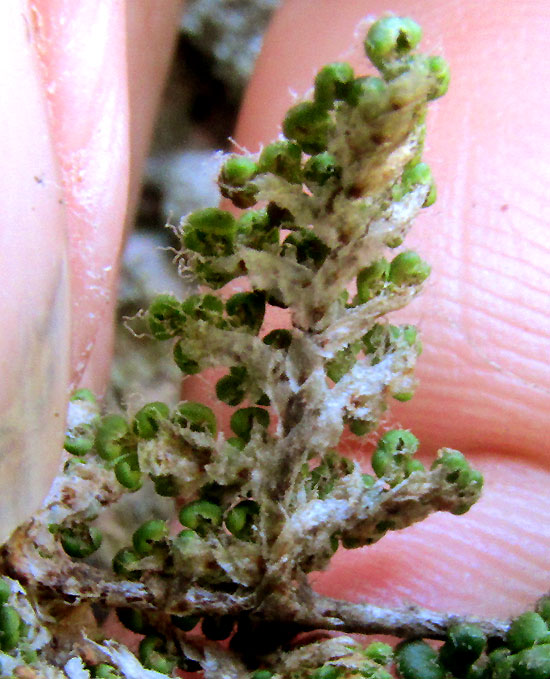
(78, 119)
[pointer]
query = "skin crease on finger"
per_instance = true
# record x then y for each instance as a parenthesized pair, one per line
(485, 313)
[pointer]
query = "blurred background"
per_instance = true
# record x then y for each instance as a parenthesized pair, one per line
(218, 43)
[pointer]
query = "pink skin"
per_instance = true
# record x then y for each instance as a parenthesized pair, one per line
(84, 80)
(103, 65)
(485, 384)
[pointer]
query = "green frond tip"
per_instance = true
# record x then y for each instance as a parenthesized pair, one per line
(148, 536)
(526, 630)
(542, 608)
(201, 516)
(247, 310)
(83, 395)
(4, 592)
(240, 519)
(333, 83)
(154, 656)
(231, 389)
(127, 471)
(148, 418)
(391, 37)
(459, 469)
(531, 663)
(371, 280)
(464, 645)
(379, 652)
(328, 672)
(105, 671)
(262, 674)
(80, 441)
(235, 181)
(417, 660)
(165, 317)
(439, 68)
(196, 416)
(10, 628)
(392, 458)
(210, 232)
(468, 482)
(408, 268)
(283, 159)
(124, 562)
(242, 421)
(111, 436)
(309, 125)
(80, 540)
(321, 168)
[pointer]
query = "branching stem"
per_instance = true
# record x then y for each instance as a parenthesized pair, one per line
(322, 612)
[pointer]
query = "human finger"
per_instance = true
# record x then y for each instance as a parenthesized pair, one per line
(83, 92)
(34, 282)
